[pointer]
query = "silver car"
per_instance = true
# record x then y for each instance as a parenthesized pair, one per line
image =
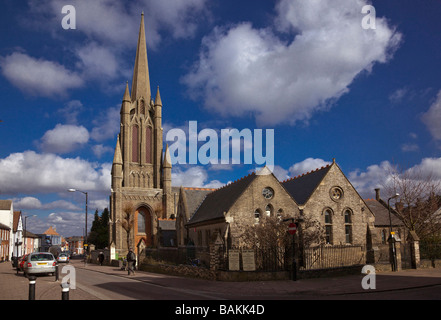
(39, 262)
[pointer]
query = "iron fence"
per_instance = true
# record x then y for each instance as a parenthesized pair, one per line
(325, 257)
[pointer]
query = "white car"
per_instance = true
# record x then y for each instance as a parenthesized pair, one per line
(39, 262)
(63, 258)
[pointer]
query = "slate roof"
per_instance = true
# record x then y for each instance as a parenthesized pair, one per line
(167, 224)
(5, 204)
(381, 214)
(302, 186)
(221, 200)
(194, 197)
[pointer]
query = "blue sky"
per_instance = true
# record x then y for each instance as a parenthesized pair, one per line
(329, 88)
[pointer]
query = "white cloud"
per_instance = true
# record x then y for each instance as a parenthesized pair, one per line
(71, 110)
(107, 125)
(195, 176)
(378, 176)
(99, 150)
(64, 138)
(409, 147)
(242, 69)
(34, 203)
(306, 165)
(98, 62)
(114, 22)
(432, 118)
(375, 176)
(38, 77)
(30, 172)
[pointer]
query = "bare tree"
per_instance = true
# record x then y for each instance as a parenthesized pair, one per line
(272, 231)
(418, 200)
(128, 221)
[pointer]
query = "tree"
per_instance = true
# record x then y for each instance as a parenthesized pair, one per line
(128, 221)
(272, 231)
(418, 200)
(99, 233)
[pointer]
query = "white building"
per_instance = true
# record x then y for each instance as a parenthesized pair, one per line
(7, 218)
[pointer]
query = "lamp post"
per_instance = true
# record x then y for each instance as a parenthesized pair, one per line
(391, 236)
(85, 236)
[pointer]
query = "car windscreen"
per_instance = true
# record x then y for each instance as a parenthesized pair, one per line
(41, 257)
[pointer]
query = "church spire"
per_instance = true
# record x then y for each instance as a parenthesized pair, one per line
(141, 81)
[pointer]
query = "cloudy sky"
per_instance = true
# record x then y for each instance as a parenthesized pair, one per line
(330, 82)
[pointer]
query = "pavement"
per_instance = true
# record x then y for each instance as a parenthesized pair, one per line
(15, 286)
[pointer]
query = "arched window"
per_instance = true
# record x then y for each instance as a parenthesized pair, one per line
(348, 225)
(279, 213)
(257, 216)
(269, 210)
(135, 145)
(328, 225)
(141, 222)
(148, 145)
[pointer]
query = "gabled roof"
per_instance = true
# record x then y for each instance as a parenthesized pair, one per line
(193, 198)
(5, 204)
(302, 186)
(381, 213)
(51, 231)
(221, 200)
(17, 216)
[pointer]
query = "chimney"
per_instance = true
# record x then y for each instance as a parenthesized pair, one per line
(377, 194)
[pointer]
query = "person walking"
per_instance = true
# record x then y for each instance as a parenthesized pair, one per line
(131, 259)
(101, 258)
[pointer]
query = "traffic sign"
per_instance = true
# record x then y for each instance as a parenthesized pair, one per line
(292, 228)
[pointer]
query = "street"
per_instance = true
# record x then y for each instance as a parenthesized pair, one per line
(94, 282)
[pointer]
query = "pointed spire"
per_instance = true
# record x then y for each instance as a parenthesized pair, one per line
(167, 158)
(158, 101)
(117, 158)
(141, 81)
(127, 93)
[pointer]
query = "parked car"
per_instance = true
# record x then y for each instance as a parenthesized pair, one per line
(63, 258)
(39, 262)
(21, 262)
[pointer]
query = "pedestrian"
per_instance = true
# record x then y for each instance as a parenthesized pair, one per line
(101, 258)
(131, 259)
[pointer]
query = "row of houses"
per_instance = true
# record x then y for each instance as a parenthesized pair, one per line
(16, 240)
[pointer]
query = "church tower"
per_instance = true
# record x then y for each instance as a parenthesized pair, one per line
(141, 175)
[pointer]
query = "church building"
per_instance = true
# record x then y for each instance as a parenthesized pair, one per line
(145, 209)
(141, 171)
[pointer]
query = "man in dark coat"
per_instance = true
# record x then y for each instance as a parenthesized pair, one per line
(131, 259)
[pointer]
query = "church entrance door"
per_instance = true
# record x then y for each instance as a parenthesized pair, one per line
(143, 227)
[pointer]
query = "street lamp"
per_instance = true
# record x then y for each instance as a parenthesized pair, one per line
(85, 237)
(391, 236)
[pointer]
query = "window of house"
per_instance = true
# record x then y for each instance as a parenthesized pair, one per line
(141, 222)
(256, 216)
(348, 233)
(348, 225)
(268, 210)
(280, 214)
(328, 226)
